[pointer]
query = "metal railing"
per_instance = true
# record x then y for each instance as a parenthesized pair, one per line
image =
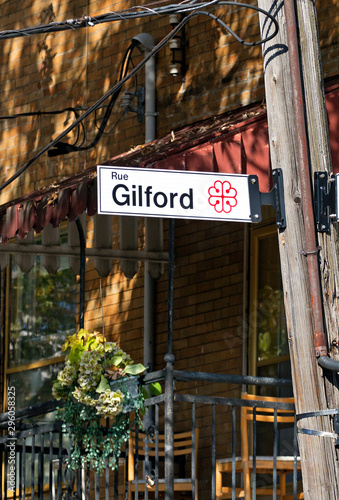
(34, 466)
(33, 460)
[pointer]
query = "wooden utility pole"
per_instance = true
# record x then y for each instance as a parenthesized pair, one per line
(320, 155)
(313, 389)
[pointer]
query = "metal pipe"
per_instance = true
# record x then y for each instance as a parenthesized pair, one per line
(306, 190)
(148, 320)
(82, 242)
(244, 304)
(170, 287)
(169, 433)
(169, 379)
(150, 104)
(147, 42)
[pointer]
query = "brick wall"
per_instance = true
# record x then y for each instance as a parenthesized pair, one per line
(208, 296)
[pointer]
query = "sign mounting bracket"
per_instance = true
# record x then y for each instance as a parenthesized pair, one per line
(336, 429)
(325, 200)
(274, 198)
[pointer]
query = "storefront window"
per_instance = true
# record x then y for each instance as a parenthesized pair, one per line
(42, 313)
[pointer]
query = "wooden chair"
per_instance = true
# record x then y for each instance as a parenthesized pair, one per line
(264, 465)
(183, 446)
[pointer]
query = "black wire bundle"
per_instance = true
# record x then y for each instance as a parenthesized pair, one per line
(65, 147)
(136, 12)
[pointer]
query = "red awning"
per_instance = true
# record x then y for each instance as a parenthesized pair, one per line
(233, 143)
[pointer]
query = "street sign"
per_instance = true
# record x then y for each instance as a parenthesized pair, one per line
(176, 194)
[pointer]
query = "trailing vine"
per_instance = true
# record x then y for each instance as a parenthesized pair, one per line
(103, 399)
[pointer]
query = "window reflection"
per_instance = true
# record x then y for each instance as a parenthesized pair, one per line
(35, 385)
(42, 312)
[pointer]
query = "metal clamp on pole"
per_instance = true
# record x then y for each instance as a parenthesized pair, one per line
(274, 198)
(336, 428)
(325, 200)
(321, 413)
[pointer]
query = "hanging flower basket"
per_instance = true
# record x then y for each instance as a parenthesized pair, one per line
(99, 380)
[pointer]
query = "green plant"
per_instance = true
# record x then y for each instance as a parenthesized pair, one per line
(99, 380)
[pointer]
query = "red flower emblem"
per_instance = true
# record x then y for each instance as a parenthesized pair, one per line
(222, 196)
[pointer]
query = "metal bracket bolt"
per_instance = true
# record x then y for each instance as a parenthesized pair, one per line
(274, 198)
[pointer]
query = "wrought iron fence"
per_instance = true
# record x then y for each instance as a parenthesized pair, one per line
(34, 458)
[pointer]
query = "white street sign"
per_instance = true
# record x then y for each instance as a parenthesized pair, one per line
(173, 193)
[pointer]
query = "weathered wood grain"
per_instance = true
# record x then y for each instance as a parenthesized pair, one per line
(318, 458)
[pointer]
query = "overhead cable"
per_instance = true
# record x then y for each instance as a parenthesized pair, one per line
(75, 110)
(122, 15)
(41, 113)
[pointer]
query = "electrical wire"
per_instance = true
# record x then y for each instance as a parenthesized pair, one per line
(228, 29)
(124, 112)
(114, 126)
(85, 21)
(40, 113)
(54, 112)
(65, 147)
(128, 14)
(58, 112)
(120, 84)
